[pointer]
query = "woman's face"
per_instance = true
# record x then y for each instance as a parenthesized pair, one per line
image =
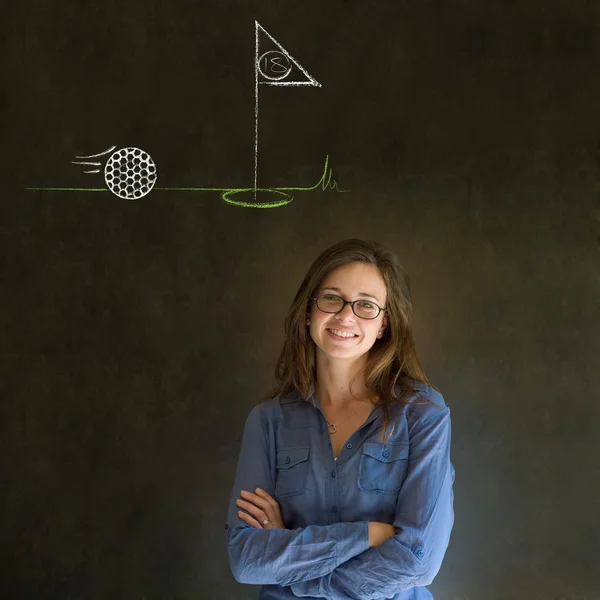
(352, 281)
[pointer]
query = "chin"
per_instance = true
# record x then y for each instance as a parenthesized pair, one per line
(345, 353)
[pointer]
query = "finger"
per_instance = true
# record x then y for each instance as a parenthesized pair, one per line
(267, 497)
(271, 510)
(274, 504)
(257, 500)
(255, 511)
(248, 519)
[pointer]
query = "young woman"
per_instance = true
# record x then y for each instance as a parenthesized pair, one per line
(344, 481)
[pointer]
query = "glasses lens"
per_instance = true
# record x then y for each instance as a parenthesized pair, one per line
(363, 308)
(330, 303)
(366, 309)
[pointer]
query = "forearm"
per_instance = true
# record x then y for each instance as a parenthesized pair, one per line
(398, 564)
(374, 574)
(285, 557)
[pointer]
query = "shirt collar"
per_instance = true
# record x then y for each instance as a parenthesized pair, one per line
(310, 397)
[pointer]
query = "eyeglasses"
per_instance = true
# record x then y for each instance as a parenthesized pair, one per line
(365, 309)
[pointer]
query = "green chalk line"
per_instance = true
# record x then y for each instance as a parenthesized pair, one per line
(325, 183)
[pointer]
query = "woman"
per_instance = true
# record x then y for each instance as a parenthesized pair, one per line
(344, 481)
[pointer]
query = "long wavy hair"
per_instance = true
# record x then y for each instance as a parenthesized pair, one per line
(392, 363)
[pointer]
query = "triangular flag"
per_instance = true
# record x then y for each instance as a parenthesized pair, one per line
(274, 67)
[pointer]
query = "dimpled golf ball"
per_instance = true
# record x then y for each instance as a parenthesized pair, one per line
(130, 173)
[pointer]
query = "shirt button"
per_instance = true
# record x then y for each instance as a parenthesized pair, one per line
(420, 553)
(349, 446)
(287, 460)
(333, 473)
(334, 509)
(385, 454)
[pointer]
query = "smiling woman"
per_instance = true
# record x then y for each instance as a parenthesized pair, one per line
(344, 480)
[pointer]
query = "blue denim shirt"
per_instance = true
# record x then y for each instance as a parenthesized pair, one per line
(326, 504)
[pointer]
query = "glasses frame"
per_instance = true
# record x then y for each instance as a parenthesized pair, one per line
(316, 298)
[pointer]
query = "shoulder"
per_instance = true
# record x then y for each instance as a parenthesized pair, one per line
(270, 411)
(424, 402)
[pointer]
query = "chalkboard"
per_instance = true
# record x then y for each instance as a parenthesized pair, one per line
(141, 320)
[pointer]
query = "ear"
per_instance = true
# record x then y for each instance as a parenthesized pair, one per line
(384, 322)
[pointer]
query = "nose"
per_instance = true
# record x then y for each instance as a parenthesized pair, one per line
(345, 313)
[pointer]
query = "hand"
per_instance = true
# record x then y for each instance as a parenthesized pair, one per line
(379, 532)
(261, 507)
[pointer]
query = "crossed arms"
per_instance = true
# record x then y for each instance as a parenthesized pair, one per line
(335, 561)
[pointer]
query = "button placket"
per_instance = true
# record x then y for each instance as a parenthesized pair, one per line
(334, 495)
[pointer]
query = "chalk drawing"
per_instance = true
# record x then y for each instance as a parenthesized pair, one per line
(131, 173)
(326, 182)
(274, 66)
(92, 163)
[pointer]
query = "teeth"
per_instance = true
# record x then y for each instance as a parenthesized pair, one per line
(342, 333)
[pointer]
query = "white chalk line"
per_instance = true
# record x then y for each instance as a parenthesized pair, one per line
(288, 83)
(99, 153)
(256, 50)
(278, 77)
(312, 80)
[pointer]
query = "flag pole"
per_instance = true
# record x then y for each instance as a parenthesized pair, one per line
(256, 49)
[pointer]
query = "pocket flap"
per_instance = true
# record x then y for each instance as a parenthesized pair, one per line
(386, 453)
(289, 457)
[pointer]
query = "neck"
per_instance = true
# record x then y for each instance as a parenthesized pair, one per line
(338, 385)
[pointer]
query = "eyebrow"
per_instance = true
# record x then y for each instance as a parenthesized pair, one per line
(335, 289)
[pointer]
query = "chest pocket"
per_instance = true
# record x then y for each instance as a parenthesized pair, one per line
(292, 471)
(382, 467)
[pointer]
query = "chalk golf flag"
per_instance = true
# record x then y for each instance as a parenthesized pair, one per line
(273, 65)
(276, 66)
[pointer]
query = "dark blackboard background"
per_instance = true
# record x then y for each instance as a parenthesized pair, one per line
(136, 336)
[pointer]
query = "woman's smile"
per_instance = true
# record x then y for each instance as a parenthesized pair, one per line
(341, 335)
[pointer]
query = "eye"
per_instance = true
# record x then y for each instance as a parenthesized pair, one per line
(331, 297)
(366, 304)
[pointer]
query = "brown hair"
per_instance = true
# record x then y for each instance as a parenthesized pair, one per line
(393, 358)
